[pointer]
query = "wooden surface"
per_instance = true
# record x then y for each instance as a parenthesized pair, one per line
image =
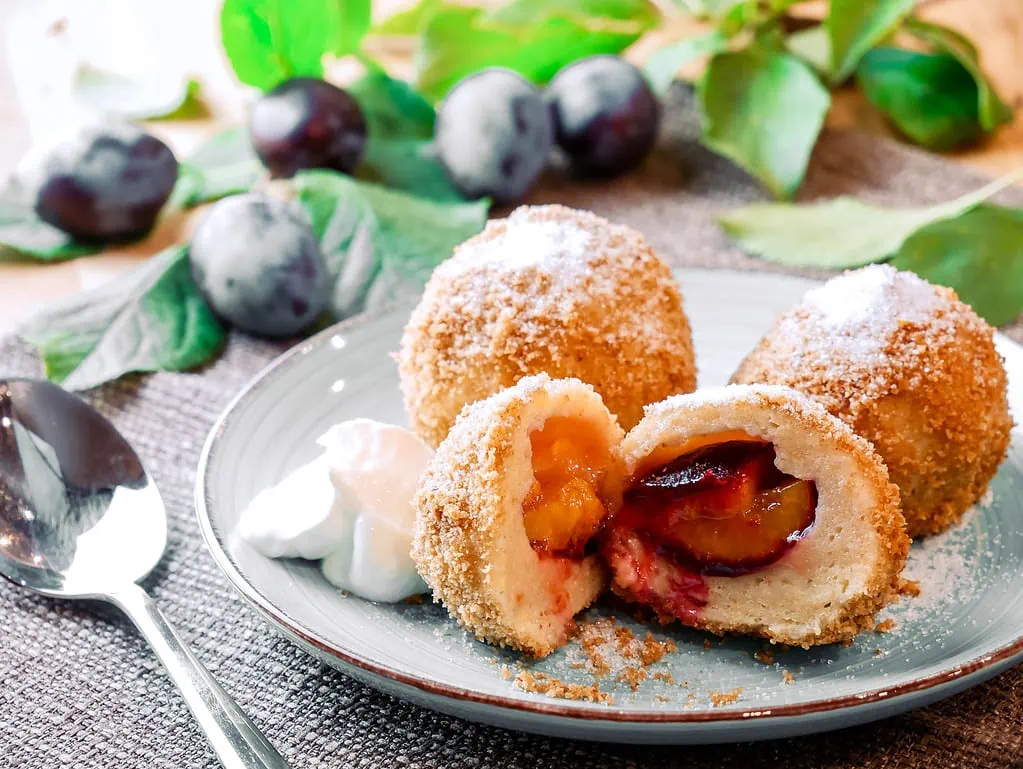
(996, 26)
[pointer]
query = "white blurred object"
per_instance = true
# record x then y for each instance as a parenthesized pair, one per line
(76, 61)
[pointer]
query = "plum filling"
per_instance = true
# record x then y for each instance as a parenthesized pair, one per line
(568, 500)
(723, 509)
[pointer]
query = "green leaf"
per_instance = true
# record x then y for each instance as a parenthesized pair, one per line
(409, 165)
(763, 110)
(460, 40)
(151, 319)
(409, 21)
(378, 242)
(24, 234)
(119, 95)
(664, 64)
(812, 46)
(393, 109)
(992, 111)
(843, 232)
(707, 9)
(979, 254)
(267, 41)
(856, 26)
(931, 98)
(223, 165)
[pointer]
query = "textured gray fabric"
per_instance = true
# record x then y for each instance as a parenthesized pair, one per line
(79, 688)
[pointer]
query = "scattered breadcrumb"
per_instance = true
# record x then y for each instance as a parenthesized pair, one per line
(886, 626)
(910, 587)
(878, 652)
(662, 698)
(706, 644)
(668, 678)
(788, 678)
(506, 673)
(633, 676)
(414, 600)
(540, 683)
(718, 699)
(610, 647)
(653, 650)
(765, 656)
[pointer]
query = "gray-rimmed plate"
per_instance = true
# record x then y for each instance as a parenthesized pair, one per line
(966, 626)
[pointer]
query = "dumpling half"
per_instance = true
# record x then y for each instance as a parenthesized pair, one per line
(749, 509)
(509, 510)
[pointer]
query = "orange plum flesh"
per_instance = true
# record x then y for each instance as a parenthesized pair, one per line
(567, 503)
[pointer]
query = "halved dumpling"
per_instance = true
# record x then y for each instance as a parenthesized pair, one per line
(509, 509)
(749, 509)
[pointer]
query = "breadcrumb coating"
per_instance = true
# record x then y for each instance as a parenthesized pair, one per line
(910, 368)
(470, 542)
(549, 289)
(833, 581)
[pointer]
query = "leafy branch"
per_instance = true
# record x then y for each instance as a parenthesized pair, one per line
(938, 97)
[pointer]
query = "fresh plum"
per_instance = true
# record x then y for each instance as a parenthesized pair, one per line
(306, 122)
(605, 115)
(493, 135)
(105, 183)
(256, 261)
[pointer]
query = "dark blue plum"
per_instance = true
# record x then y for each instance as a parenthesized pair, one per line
(106, 183)
(494, 135)
(304, 123)
(605, 115)
(256, 262)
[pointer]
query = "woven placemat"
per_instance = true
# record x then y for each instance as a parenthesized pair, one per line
(79, 688)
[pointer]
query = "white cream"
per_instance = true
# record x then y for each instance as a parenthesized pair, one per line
(351, 507)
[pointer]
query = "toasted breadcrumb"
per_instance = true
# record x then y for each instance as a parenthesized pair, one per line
(788, 678)
(541, 683)
(886, 626)
(414, 600)
(706, 644)
(633, 676)
(766, 656)
(506, 673)
(668, 678)
(719, 699)
(910, 587)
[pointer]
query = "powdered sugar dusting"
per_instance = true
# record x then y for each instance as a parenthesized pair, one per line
(945, 565)
(558, 245)
(874, 328)
(857, 312)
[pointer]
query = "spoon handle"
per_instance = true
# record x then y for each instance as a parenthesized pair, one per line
(234, 738)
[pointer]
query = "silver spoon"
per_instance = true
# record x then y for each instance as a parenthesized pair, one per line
(80, 518)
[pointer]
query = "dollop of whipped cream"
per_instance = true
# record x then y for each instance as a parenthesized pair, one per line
(350, 508)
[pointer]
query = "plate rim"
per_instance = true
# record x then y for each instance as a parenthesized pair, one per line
(280, 617)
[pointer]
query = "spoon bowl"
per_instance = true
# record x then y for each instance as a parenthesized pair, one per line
(79, 515)
(80, 518)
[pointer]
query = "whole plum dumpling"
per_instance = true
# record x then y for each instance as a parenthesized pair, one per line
(547, 290)
(910, 368)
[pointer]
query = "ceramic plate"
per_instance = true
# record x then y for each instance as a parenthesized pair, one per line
(966, 626)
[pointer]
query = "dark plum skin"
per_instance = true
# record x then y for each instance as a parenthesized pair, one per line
(493, 135)
(605, 115)
(304, 123)
(106, 183)
(256, 262)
